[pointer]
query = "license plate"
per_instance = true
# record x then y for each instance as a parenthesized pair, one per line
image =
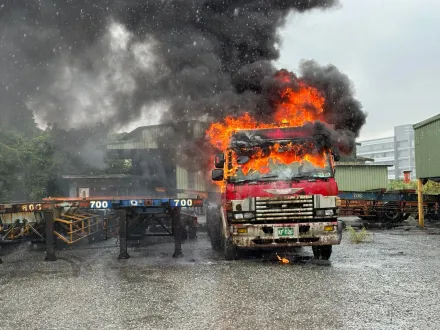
(286, 231)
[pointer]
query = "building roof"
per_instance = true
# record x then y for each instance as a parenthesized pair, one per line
(100, 176)
(364, 159)
(377, 140)
(360, 164)
(427, 121)
(139, 129)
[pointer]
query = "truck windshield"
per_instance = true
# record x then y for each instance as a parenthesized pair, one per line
(280, 171)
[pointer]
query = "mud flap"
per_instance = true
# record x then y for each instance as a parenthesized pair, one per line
(341, 226)
(230, 250)
(224, 224)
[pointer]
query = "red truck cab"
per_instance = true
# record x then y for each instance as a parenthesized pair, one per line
(290, 202)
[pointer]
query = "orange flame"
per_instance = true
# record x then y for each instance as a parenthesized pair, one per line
(260, 161)
(294, 108)
(283, 260)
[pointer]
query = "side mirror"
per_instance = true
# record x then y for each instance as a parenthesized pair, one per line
(217, 175)
(219, 161)
(336, 156)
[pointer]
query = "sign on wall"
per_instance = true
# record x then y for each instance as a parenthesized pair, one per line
(84, 192)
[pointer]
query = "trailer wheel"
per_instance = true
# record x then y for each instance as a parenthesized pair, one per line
(322, 252)
(393, 216)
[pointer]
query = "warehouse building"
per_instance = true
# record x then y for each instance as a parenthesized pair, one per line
(427, 155)
(155, 169)
(427, 149)
(397, 151)
(358, 176)
(358, 173)
(155, 159)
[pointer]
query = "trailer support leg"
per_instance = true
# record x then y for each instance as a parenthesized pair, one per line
(50, 249)
(123, 254)
(177, 232)
(420, 203)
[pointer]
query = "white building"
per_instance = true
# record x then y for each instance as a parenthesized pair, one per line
(397, 150)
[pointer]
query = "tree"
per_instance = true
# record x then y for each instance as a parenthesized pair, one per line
(430, 188)
(32, 161)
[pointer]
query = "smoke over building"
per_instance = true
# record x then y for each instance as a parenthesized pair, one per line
(81, 63)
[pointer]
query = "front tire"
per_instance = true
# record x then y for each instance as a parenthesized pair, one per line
(216, 234)
(322, 252)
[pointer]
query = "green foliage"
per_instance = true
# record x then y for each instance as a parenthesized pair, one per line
(26, 165)
(32, 161)
(357, 237)
(31, 166)
(430, 188)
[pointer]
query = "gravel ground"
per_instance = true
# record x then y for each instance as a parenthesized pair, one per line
(389, 283)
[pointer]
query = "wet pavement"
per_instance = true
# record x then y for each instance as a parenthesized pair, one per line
(389, 283)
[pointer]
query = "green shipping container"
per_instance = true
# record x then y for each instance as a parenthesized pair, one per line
(427, 148)
(361, 177)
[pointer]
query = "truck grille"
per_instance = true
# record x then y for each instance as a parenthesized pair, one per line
(284, 208)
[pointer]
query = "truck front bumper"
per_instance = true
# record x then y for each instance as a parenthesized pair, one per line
(270, 236)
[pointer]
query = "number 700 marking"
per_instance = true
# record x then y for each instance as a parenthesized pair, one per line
(98, 204)
(183, 202)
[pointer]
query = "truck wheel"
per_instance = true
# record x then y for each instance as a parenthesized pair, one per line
(230, 250)
(322, 252)
(216, 235)
(209, 216)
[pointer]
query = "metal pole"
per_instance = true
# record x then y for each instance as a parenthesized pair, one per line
(420, 202)
(177, 232)
(123, 254)
(105, 225)
(50, 249)
(1, 238)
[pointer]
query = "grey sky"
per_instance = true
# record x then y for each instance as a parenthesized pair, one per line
(390, 50)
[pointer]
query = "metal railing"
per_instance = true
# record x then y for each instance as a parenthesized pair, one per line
(71, 228)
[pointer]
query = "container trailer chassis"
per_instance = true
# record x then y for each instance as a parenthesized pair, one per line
(387, 207)
(64, 220)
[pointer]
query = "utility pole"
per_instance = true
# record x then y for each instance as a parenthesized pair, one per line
(420, 203)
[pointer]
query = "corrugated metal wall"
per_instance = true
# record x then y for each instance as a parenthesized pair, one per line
(427, 149)
(200, 181)
(147, 136)
(181, 178)
(189, 181)
(361, 177)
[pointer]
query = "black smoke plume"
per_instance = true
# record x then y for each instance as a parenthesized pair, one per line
(71, 63)
(79, 63)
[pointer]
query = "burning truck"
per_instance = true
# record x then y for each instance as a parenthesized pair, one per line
(276, 178)
(291, 200)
